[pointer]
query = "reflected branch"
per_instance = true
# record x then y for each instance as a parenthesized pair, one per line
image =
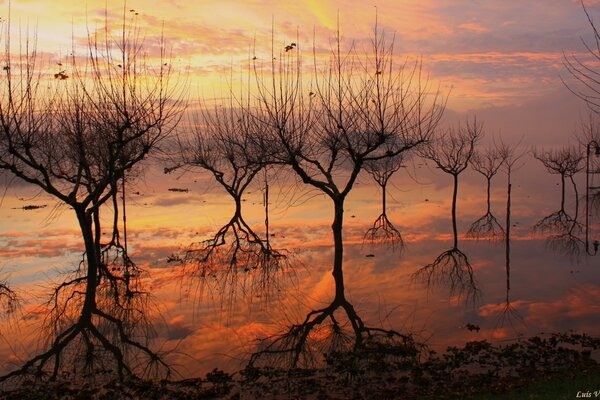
(452, 153)
(562, 228)
(225, 142)
(487, 164)
(451, 269)
(383, 231)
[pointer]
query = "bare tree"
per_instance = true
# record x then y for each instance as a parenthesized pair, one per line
(488, 164)
(511, 161)
(355, 113)
(586, 86)
(383, 231)
(589, 139)
(452, 152)
(224, 142)
(565, 162)
(77, 142)
(8, 297)
(583, 69)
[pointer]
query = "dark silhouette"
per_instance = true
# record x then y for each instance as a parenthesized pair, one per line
(8, 297)
(511, 159)
(451, 152)
(224, 143)
(563, 229)
(583, 69)
(77, 141)
(488, 164)
(359, 111)
(589, 138)
(383, 231)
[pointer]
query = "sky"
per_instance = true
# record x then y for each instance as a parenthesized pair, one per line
(487, 54)
(499, 60)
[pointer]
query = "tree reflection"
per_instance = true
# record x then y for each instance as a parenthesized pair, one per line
(226, 143)
(511, 158)
(488, 164)
(77, 141)
(383, 231)
(562, 228)
(359, 111)
(452, 152)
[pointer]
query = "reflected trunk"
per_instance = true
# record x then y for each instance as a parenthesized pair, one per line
(454, 195)
(92, 252)
(338, 258)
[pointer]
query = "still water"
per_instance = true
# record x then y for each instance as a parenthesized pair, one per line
(547, 290)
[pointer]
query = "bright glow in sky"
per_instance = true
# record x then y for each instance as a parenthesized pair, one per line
(491, 54)
(501, 60)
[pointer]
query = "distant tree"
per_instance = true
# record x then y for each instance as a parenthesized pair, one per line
(589, 139)
(451, 152)
(565, 162)
(488, 164)
(584, 69)
(355, 113)
(78, 140)
(224, 142)
(511, 157)
(383, 231)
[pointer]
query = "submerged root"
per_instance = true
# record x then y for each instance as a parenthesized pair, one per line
(105, 338)
(322, 333)
(453, 270)
(486, 227)
(93, 346)
(509, 315)
(383, 232)
(566, 243)
(235, 262)
(557, 222)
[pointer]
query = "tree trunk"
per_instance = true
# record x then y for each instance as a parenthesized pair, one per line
(336, 227)
(489, 187)
(92, 256)
(507, 238)
(238, 206)
(454, 195)
(562, 200)
(383, 199)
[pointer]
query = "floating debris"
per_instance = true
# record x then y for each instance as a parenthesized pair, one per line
(61, 75)
(31, 207)
(174, 259)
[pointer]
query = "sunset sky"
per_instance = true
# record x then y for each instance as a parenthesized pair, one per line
(499, 60)
(492, 54)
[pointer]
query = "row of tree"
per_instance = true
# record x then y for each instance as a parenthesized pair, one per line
(81, 138)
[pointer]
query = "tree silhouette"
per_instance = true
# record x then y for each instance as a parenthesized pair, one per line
(383, 231)
(589, 139)
(225, 143)
(8, 297)
(451, 152)
(586, 86)
(355, 113)
(488, 164)
(583, 69)
(562, 227)
(511, 162)
(77, 142)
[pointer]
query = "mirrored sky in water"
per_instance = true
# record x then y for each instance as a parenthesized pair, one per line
(550, 291)
(499, 60)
